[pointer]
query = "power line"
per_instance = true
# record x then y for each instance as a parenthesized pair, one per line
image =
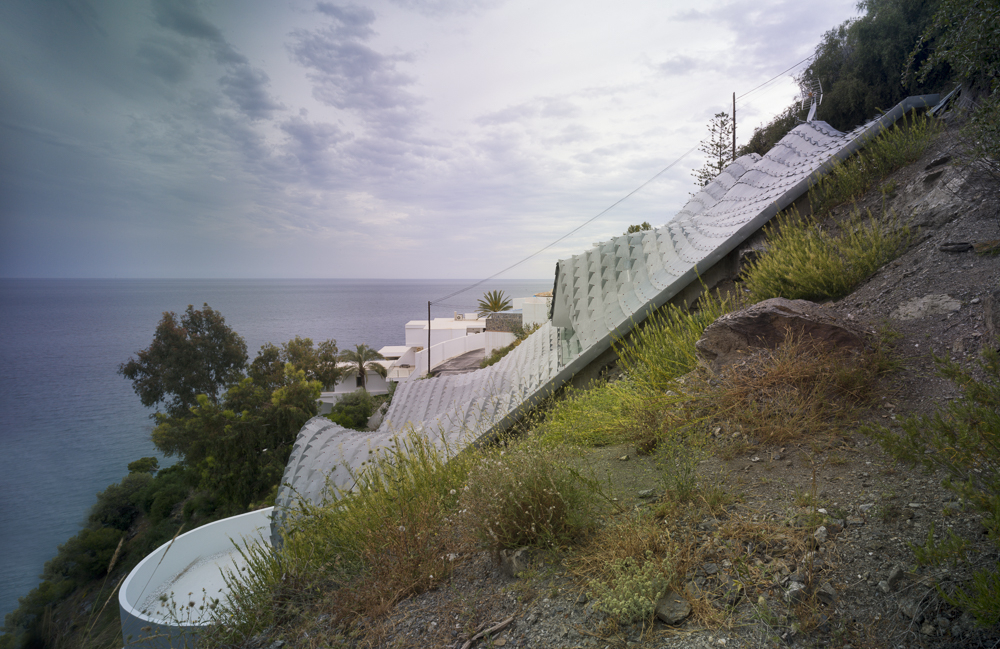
(592, 219)
(571, 232)
(774, 77)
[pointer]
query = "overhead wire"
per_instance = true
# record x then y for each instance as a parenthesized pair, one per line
(571, 232)
(609, 208)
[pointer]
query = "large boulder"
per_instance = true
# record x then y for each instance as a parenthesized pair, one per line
(767, 324)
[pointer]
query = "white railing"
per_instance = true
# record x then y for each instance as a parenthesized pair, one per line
(449, 349)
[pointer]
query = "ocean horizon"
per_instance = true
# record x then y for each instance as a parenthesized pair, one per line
(69, 424)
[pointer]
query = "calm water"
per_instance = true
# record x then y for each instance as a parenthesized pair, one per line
(69, 424)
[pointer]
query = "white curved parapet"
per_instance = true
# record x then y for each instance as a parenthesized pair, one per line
(164, 601)
(599, 296)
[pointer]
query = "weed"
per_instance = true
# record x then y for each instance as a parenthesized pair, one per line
(891, 150)
(663, 349)
(389, 537)
(805, 261)
(796, 389)
(527, 494)
(630, 592)
(963, 440)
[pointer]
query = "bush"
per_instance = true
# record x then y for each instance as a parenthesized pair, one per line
(894, 148)
(117, 505)
(390, 536)
(353, 410)
(527, 495)
(963, 440)
(634, 586)
(804, 261)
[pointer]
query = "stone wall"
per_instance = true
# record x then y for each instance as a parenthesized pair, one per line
(505, 322)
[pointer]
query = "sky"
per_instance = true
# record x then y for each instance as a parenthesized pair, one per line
(415, 139)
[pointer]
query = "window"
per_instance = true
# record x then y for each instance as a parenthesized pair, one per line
(358, 382)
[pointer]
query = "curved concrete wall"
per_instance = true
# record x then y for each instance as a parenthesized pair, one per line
(600, 295)
(182, 568)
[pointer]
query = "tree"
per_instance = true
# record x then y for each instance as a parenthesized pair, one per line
(632, 229)
(362, 358)
(859, 62)
(718, 148)
(197, 355)
(493, 302)
(963, 37)
(318, 362)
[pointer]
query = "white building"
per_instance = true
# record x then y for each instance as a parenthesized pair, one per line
(534, 310)
(350, 381)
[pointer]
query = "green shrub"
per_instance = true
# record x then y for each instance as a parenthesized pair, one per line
(393, 528)
(353, 410)
(894, 148)
(497, 354)
(805, 261)
(963, 440)
(634, 586)
(663, 348)
(591, 417)
(527, 494)
(116, 506)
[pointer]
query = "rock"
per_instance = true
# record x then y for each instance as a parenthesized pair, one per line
(514, 562)
(927, 629)
(827, 593)
(884, 587)
(672, 608)
(624, 458)
(895, 576)
(693, 590)
(864, 508)
(796, 592)
(928, 305)
(647, 493)
(767, 324)
(710, 568)
(821, 534)
(854, 520)
(911, 609)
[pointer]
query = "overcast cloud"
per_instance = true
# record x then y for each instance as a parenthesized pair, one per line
(396, 138)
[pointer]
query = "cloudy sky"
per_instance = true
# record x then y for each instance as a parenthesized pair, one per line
(388, 139)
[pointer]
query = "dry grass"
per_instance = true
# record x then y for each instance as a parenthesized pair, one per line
(798, 389)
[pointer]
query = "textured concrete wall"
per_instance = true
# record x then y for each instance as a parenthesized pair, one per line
(600, 294)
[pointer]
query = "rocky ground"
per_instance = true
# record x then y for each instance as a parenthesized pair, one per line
(816, 552)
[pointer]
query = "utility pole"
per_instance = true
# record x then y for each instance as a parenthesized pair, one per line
(428, 337)
(734, 126)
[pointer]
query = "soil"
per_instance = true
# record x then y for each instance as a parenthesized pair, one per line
(862, 585)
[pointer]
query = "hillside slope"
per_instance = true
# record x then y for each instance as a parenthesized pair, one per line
(742, 558)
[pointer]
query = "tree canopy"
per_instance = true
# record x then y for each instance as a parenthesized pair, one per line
(196, 355)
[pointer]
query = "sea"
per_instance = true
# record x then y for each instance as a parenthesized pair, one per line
(69, 424)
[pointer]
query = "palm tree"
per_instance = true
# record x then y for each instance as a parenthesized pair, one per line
(362, 359)
(493, 302)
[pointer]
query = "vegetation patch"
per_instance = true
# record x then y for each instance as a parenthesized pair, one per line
(963, 440)
(806, 261)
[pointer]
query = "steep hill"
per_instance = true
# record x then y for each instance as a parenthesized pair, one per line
(832, 512)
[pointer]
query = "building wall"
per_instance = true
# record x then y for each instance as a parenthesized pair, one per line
(507, 322)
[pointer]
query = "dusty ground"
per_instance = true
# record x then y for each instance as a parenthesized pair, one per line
(873, 507)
